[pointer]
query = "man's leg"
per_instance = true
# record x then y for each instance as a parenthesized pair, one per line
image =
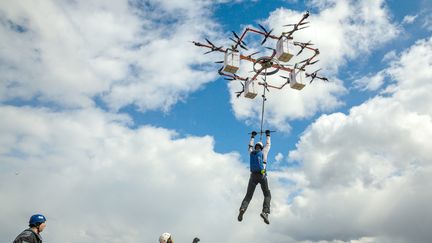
(267, 199)
(250, 191)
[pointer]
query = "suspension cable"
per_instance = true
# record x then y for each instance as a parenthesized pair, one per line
(263, 102)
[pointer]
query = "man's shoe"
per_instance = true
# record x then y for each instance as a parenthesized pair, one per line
(240, 216)
(265, 217)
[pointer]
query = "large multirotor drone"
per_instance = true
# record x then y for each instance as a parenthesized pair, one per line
(267, 65)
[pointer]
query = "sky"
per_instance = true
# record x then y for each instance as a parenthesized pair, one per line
(117, 128)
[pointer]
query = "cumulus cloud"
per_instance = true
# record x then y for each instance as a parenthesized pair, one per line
(409, 19)
(342, 30)
(124, 52)
(99, 181)
(371, 83)
(363, 176)
(367, 172)
(427, 23)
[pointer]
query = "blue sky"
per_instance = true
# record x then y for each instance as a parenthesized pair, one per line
(125, 130)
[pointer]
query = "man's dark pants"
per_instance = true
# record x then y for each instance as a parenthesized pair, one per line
(254, 179)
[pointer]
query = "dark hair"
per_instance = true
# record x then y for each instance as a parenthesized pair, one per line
(35, 225)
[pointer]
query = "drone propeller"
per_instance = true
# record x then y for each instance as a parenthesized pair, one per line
(311, 63)
(197, 43)
(302, 46)
(238, 38)
(305, 60)
(296, 24)
(313, 73)
(304, 27)
(240, 92)
(267, 34)
(274, 51)
(236, 42)
(213, 47)
(301, 50)
(219, 62)
(250, 55)
(323, 78)
(287, 78)
(308, 61)
(210, 43)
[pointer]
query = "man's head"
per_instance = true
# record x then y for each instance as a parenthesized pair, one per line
(166, 238)
(37, 221)
(259, 146)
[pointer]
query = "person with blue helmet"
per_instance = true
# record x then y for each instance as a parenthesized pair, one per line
(37, 224)
(258, 161)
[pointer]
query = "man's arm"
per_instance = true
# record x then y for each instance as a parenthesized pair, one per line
(266, 148)
(251, 142)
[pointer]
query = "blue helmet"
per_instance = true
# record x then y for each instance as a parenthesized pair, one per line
(37, 219)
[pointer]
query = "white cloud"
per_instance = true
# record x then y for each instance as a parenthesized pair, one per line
(427, 23)
(367, 173)
(342, 30)
(371, 83)
(96, 180)
(126, 52)
(409, 19)
(279, 157)
(390, 56)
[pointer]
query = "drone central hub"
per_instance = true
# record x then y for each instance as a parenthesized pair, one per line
(264, 64)
(267, 64)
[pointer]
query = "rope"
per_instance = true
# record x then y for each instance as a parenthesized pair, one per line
(263, 103)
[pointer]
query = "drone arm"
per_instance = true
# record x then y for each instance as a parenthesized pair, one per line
(213, 48)
(307, 61)
(272, 86)
(262, 33)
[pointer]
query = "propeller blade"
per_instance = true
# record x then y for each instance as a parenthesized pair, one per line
(236, 36)
(219, 62)
(313, 62)
(305, 60)
(253, 54)
(262, 28)
(209, 42)
(323, 78)
(300, 52)
(242, 46)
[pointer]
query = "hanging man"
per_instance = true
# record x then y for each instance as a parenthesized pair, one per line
(258, 161)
